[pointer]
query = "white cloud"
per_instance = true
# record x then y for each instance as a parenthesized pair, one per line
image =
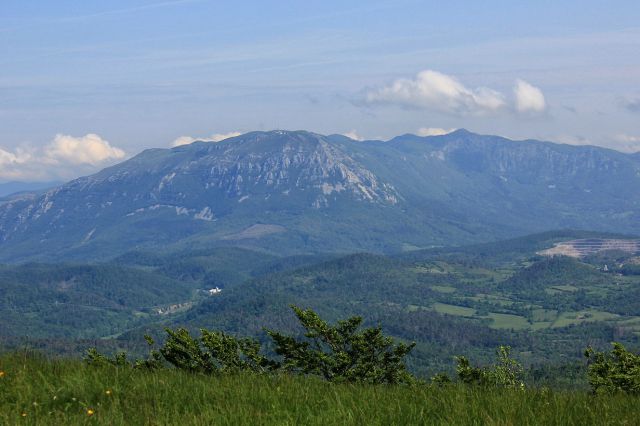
(529, 99)
(433, 131)
(63, 158)
(13, 163)
(435, 91)
(88, 149)
(186, 140)
(353, 135)
(183, 140)
(440, 92)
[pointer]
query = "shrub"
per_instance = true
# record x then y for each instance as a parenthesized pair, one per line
(617, 371)
(93, 357)
(215, 351)
(507, 372)
(441, 379)
(341, 353)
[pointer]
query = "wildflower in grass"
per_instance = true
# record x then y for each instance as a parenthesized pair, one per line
(1, 374)
(90, 412)
(23, 414)
(107, 392)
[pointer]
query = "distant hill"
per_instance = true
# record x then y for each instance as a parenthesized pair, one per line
(299, 192)
(449, 300)
(92, 301)
(77, 301)
(9, 188)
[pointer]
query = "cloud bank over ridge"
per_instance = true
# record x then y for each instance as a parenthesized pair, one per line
(62, 158)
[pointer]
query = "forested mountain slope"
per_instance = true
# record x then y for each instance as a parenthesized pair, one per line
(299, 192)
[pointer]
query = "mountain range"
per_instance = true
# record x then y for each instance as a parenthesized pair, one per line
(296, 192)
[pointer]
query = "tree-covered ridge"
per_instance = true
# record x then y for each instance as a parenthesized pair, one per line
(82, 301)
(475, 298)
(548, 309)
(110, 298)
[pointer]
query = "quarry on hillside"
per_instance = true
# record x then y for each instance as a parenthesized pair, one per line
(586, 247)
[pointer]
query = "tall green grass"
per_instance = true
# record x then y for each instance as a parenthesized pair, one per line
(61, 392)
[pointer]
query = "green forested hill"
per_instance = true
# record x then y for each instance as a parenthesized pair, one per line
(466, 300)
(449, 300)
(39, 300)
(43, 301)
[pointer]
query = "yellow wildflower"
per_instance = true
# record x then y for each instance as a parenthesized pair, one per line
(108, 392)
(24, 414)
(90, 412)
(1, 374)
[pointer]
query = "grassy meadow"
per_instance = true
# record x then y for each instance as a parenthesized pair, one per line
(35, 390)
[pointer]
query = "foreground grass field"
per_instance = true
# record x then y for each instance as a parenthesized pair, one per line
(34, 390)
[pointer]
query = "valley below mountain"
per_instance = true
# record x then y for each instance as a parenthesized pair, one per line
(448, 300)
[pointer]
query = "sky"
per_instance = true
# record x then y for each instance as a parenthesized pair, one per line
(84, 84)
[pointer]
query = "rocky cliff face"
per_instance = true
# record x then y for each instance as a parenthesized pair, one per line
(201, 182)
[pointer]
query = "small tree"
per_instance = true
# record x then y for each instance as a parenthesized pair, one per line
(185, 353)
(507, 372)
(341, 353)
(215, 351)
(93, 357)
(617, 371)
(233, 354)
(154, 360)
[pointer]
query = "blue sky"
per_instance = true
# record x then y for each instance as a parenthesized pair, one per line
(87, 83)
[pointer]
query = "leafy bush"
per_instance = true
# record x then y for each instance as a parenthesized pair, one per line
(93, 357)
(215, 351)
(617, 371)
(507, 372)
(154, 361)
(441, 379)
(341, 353)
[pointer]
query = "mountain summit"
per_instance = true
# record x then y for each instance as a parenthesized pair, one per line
(296, 191)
